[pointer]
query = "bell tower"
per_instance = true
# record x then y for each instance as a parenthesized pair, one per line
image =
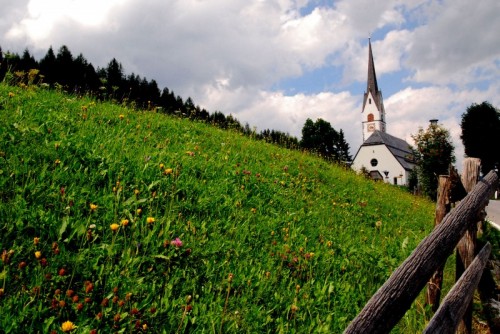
(373, 113)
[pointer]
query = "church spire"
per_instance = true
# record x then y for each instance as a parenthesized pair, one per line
(372, 85)
(373, 105)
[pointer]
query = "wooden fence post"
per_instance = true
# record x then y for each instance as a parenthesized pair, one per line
(435, 284)
(389, 304)
(466, 247)
(447, 318)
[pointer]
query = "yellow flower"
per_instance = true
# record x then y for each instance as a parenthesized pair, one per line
(57, 161)
(124, 222)
(38, 254)
(139, 211)
(162, 166)
(122, 116)
(136, 192)
(93, 207)
(168, 171)
(150, 220)
(378, 224)
(11, 94)
(68, 326)
(36, 240)
(114, 227)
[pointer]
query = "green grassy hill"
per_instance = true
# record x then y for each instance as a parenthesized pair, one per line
(126, 221)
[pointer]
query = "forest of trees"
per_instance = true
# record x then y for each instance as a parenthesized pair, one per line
(77, 76)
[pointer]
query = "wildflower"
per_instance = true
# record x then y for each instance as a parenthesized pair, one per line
(190, 153)
(114, 227)
(43, 262)
(93, 207)
(329, 244)
(38, 254)
(145, 327)
(62, 272)
(122, 116)
(176, 242)
(79, 307)
(294, 308)
(168, 171)
(68, 326)
(22, 265)
(162, 166)
(150, 220)
(57, 162)
(378, 224)
(136, 192)
(124, 222)
(56, 145)
(116, 318)
(11, 94)
(2, 292)
(254, 210)
(138, 211)
(230, 277)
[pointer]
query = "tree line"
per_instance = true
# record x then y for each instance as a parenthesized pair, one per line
(434, 151)
(78, 76)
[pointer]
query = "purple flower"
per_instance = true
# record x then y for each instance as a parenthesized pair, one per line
(176, 242)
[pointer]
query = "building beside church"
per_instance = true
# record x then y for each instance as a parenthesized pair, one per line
(386, 157)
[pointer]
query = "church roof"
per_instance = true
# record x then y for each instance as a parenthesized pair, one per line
(372, 85)
(399, 148)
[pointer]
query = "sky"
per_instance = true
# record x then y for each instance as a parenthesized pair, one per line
(275, 63)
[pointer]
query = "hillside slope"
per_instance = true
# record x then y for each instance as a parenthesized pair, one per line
(132, 212)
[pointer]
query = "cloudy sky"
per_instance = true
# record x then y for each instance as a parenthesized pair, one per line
(275, 63)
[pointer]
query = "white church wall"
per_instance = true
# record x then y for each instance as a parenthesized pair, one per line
(385, 162)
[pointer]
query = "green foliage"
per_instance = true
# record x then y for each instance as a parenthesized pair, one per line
(121, 221)
(434, 155)
(480, 128)
(322, 138)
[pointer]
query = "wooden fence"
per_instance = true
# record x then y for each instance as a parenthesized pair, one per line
(389, 304)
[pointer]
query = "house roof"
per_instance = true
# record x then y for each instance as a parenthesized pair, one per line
(399, 148)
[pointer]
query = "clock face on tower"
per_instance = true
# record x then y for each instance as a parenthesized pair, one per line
(371, 127)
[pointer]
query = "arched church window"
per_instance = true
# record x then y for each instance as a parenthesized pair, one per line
(369, 101)
(370, 117)
(374, 162)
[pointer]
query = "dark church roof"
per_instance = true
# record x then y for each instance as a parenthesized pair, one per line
(372, 85)
(398, 147)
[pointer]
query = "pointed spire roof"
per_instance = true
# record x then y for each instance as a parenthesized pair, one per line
(372, 85)
(372, 76)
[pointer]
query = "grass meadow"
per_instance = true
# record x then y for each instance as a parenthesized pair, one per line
(126, 221)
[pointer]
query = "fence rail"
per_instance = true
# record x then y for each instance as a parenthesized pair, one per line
(389, 304)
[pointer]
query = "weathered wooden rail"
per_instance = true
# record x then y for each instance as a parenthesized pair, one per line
(389, 304)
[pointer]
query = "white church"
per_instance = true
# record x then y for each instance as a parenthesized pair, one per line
(387, 158)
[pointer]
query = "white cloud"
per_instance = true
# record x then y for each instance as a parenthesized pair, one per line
(459, 41)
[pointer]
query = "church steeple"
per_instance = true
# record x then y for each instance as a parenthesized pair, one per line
(373, 104)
